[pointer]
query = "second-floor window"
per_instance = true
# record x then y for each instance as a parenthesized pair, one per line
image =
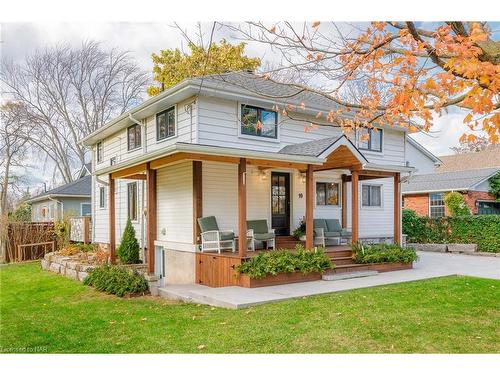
(259, 122)
(134, 137)
(165, 124)
(99, 152)
(370, 139)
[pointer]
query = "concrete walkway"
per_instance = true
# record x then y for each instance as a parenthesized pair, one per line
(430, 265)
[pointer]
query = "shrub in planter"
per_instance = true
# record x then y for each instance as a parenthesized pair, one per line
(116, 280)
(128, 251)
(382, 253)
(300, 230)
(279, 261)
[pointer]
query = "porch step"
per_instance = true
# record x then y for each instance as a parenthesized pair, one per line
(353, 267)
(287, 242)
(341, 253)
(348, 275)
(338, 261)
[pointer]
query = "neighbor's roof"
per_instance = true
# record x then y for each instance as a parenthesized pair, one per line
(488, 158)
(448, 181)
(233, 85)
(79, 188)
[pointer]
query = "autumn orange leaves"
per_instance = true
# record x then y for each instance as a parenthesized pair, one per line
(410, 73)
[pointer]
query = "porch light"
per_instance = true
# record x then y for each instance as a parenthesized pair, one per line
(263, 175)
(303, 178)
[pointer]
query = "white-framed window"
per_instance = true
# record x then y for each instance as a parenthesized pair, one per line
(134, 137)
(102, 197)
(99, 151)
(259, 122)
(165, 124)
(132, 200)
(327, 194)
(85, 209)
(371, 195)
(436, 205)
(370, 139)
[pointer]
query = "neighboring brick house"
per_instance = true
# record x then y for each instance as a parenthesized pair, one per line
(425, 193)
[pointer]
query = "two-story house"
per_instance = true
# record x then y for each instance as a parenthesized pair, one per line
(218, 146)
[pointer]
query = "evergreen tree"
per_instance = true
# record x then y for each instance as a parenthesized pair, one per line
(128, 251)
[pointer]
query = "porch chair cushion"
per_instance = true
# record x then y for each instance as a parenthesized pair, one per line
(333, 225)
(258, 226)
(226, 236)
(264, 236)
(320, 223)
(208, 223)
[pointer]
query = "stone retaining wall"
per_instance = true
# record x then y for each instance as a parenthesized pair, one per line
(72, 268)
(456, 248)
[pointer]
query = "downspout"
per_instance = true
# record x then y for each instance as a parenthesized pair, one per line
(142, 124)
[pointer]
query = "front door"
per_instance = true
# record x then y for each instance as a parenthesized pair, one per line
(280, 203)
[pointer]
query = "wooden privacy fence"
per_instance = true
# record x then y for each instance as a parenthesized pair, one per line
(80, 229)
(34, 239)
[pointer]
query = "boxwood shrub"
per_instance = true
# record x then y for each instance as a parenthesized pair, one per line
(483, 230)
(280, 261)
(116, 280)
(382, 253)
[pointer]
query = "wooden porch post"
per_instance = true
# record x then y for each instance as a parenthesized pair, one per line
(397, 209)
(197, 199)
(309, 206)
(344, 201)
(242, 208)
(355, 206)
(151, 218)
(112, 230)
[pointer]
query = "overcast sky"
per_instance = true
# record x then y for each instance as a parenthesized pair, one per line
(141, 39)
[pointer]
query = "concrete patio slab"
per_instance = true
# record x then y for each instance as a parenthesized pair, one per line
(429, 266)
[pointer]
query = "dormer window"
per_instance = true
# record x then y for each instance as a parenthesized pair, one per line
(259, 122)
(370, 139)
(134, 137)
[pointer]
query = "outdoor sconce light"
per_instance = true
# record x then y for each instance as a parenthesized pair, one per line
(303, 178)
(263, 175)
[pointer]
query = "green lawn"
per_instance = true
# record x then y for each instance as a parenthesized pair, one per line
(453, 314)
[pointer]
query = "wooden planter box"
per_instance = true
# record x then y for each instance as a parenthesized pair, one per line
(385, 267)
(279, 279)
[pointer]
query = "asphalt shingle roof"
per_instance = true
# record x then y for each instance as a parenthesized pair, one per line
(82, 186)
(457, 180)
(487, 158)
(256, 84)
(310, 148)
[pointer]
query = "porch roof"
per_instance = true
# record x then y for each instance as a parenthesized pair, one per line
(340, 151)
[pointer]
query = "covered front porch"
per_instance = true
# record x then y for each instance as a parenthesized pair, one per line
(246, 175)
